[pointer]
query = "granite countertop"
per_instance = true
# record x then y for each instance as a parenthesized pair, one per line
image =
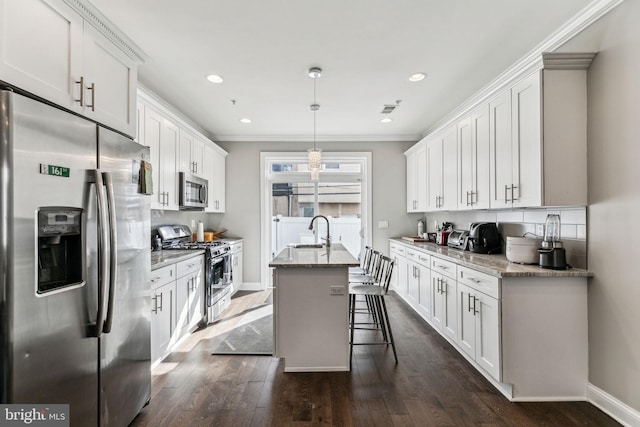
(496, 265)
(335, 256)
(162, 258)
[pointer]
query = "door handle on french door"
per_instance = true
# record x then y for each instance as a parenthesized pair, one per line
(102, 253)
(113, 250)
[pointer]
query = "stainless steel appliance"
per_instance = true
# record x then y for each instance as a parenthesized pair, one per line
(484, 238)
(458, 239)
(74, 281)
(218, 266)
(193, 192)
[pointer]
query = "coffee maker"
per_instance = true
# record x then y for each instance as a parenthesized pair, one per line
(552, 254)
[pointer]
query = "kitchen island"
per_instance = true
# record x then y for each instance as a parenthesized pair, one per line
(311, 304)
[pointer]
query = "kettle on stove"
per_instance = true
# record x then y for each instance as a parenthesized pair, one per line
(484, 238)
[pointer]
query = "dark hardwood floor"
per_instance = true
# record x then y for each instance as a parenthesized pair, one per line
(432, 385)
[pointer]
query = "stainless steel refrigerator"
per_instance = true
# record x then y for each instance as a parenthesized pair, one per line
(74, 265)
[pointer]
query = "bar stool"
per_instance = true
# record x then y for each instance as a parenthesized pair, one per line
(370, 278)
(376, 292)
(365, 265)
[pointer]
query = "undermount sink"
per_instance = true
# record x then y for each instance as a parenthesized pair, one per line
(307, 245)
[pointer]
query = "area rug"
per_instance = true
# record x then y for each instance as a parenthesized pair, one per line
(253, 334)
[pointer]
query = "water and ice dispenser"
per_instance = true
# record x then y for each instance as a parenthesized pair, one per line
(60, 248)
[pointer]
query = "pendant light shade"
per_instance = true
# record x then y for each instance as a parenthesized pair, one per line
(314, 155)
(314, 158)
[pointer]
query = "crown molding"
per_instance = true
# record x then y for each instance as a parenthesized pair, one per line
(107, 28)
(567, 61)
(319, 139)
(531, 62)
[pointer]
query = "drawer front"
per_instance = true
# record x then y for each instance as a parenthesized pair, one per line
(446, 268)
(236, 247)
(190, 265)
(411, 254)
(481, 282)
(398, 249)
(424, 259)
(162, 276)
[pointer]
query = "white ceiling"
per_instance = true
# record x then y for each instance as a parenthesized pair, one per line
(366, 48)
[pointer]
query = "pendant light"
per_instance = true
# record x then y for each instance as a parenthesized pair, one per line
(314, 155)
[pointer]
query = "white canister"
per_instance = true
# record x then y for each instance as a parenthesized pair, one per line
(200, 232)
(523, 250)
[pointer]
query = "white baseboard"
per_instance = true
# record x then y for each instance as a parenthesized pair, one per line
(251, 286)
(619, 411)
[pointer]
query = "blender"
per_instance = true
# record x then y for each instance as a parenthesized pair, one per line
(552, 254)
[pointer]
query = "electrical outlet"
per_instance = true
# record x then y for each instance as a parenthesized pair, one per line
(383, 224)
(337, 290)
(540, 230)
(193, 224)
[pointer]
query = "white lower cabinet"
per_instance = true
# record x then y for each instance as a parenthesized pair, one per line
(399, 274)
(162, 295)
(443, 291)
(479, 320)
(177, 303)
(526, 334)
(189, 295)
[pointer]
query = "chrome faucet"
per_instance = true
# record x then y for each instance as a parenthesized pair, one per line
(328, 238)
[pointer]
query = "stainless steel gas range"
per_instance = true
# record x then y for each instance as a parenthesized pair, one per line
(218, 275)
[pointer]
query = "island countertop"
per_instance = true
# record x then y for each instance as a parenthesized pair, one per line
(334, 256)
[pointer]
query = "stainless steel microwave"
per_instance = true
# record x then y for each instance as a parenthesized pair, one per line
(194, 192)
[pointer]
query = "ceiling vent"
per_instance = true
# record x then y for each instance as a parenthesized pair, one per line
(388, 109)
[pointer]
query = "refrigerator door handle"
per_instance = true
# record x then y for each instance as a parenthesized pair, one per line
(113, 252)
(102, 253)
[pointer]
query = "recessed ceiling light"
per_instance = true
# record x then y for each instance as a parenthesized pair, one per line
(245, 120)
(214, 78)
(416, 77)
(386, 120)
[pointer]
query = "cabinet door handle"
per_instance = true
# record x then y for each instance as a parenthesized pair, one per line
(81, 83)
(512, 187)
(506, 188)
(469, 303)
(475, 311)
(467, 198)
(154, 310)
(159, 306)
(92, 88)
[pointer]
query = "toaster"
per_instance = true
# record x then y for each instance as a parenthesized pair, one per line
(458, 239)
(484, 238)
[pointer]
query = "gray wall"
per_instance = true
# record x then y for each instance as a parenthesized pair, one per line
(614, 205)
(242, 217)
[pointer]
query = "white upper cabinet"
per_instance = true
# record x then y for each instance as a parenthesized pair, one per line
(473, 160)
(161, 136)
(215, 173)
(442, 171)
(48, 49)
(41, 49)
(110, 78)
(538, 138)
(191, 154)
(515, 146)
(178, 147)
(417, 179)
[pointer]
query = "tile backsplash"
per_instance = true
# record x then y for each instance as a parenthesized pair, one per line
(518, 222)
